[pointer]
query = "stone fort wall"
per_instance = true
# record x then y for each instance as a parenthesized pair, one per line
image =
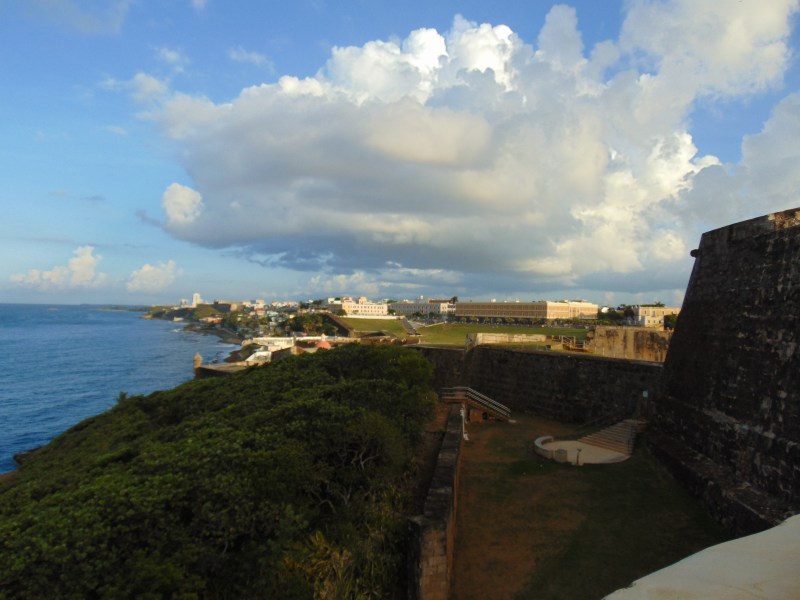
(556, 385)
(432, 534)
(727, 418)
(724, 408)
(565, 387)
(637, 343)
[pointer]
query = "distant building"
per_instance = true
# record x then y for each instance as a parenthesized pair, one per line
(197, 300)
(541, 309)
(653, 316)
(224, 306)
(284, 304)
(363, 307)
(429, 307)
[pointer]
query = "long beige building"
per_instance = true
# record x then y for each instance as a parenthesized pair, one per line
(428, 307)
(542, 309)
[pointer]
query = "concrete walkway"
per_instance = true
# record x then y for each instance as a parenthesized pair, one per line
(763, 566)
(589, 455)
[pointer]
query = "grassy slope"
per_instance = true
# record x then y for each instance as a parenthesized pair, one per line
(391, 326)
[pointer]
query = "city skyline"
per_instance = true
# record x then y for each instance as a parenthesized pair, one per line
(574, 150)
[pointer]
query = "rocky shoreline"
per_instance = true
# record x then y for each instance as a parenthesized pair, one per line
(225, 335)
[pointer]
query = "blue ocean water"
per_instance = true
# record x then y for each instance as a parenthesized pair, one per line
(62, 364)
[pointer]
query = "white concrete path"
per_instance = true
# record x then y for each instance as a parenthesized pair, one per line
(764, 566)
(589, 455)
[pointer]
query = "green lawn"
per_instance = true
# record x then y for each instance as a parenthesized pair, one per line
(555, 531)
(455, 334)
(391, 326)
(637, 520)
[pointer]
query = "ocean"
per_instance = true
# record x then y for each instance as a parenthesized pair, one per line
(60, 364)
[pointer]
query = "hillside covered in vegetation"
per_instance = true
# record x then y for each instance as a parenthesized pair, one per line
(284, 481)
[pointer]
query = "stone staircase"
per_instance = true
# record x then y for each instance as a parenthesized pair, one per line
(619, 437)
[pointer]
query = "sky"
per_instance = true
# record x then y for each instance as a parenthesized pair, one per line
(298, 150)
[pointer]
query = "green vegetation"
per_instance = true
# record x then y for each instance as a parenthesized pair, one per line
(284, 481)
(312, 324)
(612, 317)
(670, 321)
(391, 326)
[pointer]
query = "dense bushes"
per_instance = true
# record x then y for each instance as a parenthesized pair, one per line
(283, 481)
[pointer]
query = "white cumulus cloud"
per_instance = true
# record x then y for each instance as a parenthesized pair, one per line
(473, 152)
(79, 272)
(181, 204)
(152, 278)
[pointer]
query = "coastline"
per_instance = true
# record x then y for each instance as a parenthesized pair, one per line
(70, 315)
(225, 335)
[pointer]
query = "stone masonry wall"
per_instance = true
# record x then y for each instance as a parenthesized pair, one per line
(637, 343)
(732, 375)
(432, 534)
(565, 387)
(448, 363)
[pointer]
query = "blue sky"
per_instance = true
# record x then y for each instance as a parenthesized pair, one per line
(300, 150)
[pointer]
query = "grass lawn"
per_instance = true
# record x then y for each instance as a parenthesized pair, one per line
(392, 326)
(455, 334)
(531, 528)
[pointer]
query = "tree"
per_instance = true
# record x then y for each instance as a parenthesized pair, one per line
(611, 316)
(264, 484)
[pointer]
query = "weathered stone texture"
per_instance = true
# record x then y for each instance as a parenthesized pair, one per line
(732, 373)
(447, 362)
(432, 534)
(636, 343)
(566, 387)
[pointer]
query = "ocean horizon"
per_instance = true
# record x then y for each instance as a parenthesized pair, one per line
(64, 363)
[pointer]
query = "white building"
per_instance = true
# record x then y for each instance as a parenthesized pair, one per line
(196, 300)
